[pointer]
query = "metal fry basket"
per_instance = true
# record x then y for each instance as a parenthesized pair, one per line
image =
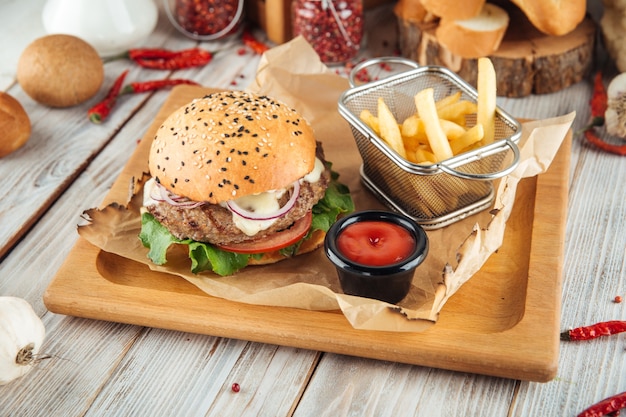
(434, 195)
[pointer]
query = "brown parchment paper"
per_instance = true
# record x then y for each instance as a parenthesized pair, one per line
(293, 73)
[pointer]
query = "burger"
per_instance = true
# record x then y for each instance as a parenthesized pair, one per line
(241, 180)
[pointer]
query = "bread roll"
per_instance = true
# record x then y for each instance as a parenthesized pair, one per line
(14, 124)
(475, 37)
(60, 70)
(553, 17)
(454, 9)
(413, 11)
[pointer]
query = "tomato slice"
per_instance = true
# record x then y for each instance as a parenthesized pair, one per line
(276, 241)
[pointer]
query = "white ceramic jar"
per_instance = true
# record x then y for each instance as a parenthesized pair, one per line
(110, 26)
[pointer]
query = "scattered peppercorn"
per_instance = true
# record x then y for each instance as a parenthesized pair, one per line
(207, 18)
(235, 387)
(333, 28)
(618, 299)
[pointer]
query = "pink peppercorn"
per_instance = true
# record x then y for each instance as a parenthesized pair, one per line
(334, 28)
(206, 19)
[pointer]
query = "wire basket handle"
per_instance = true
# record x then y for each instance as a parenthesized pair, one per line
(488, 175)
(380, 60)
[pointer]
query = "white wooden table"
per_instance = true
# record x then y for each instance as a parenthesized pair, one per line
(101, 368)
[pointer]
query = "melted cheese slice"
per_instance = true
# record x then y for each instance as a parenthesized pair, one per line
(267, 203)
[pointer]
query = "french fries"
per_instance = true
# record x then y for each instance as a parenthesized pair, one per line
(389, 129)
(438, 129)
(486, 106)
(425, 103)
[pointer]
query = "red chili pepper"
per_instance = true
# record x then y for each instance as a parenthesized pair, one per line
(151, 53)
(605, 328)
(605, 146)
(610, 405)
(164, 59)
(145, 86)
(253, 43)
(599, 99)
(599, 103)
(101, 110)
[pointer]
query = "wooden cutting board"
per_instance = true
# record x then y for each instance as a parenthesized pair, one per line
(502, 322)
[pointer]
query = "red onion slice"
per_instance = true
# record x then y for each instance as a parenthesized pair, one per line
(251, 215)
(162, 194)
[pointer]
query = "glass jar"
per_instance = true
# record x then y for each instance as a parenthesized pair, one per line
(334, 28)
(99, 23)
(205, 19)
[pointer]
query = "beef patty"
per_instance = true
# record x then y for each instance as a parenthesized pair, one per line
(213, 223)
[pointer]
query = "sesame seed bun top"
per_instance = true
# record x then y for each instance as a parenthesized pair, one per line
(231, 144)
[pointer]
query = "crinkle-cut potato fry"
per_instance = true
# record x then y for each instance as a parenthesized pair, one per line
(389, 129)
(487, 95)
(471, 137)
(425, 103)
(370, 120)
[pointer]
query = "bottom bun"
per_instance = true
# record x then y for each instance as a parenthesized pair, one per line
(316, 240)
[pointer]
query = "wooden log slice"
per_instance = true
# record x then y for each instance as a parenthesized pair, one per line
(527, 62)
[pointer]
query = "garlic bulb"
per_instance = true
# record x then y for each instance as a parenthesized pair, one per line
(615, 115)
(21, 336)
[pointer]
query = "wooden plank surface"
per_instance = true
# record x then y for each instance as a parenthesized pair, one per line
(98, 367)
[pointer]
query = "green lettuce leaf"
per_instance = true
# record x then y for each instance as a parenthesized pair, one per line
(204, 257)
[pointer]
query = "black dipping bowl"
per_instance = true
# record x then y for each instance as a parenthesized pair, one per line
(389, 283)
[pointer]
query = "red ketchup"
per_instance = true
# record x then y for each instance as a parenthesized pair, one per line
(375, 243)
